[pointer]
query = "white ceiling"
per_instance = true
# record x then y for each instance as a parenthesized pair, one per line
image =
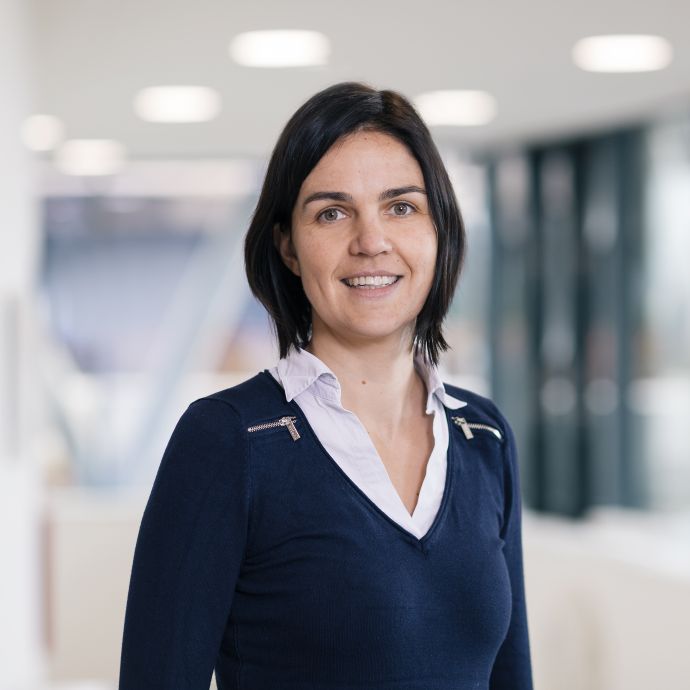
(92, 56)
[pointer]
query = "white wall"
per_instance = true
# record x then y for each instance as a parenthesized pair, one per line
(20, 588)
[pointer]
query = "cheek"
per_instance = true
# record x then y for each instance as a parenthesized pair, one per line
(424, 251)
(317, 263)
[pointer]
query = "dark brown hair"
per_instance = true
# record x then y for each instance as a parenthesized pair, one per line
(327, 116)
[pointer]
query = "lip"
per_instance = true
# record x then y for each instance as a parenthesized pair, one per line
(364, 274)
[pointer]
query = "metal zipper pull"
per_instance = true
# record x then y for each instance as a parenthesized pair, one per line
(288, 422)
(462, 423)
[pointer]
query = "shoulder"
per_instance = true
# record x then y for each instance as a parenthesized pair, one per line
(207, 447)
(234, 408)
(480, 409)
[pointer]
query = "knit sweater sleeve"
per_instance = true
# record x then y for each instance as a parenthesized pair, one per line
(188, 553)
(512, 668)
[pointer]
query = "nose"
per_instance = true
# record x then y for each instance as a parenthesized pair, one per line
(370, 236)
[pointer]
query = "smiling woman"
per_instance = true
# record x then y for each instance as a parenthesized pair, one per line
(334, 521)
(380, 234)
(333, 128)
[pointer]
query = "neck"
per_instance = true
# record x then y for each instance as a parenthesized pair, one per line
(378, 381)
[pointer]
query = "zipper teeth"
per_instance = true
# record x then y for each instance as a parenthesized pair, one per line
(460, 421)
(493, 429)
(283, 421)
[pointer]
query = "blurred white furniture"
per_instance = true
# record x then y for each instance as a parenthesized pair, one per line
(609, 601)
(608, 598)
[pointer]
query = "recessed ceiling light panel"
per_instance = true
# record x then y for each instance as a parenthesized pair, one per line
(466, 108)
(280, 48)
(42, 132)
(622, 53)
(177, 104)
(90, 157)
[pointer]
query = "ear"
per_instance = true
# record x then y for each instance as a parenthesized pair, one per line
(283, 243)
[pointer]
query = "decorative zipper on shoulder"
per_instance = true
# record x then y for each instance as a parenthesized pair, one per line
(468, 426)
(289, 422)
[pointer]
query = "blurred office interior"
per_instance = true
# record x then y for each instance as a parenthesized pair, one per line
(123, 296)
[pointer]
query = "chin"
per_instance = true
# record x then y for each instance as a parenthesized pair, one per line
(374, 334)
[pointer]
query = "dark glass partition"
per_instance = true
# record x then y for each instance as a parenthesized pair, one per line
(566, 273)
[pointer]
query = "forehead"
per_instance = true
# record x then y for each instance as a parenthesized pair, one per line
(365, 157)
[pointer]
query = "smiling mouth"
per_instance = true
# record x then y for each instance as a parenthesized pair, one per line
(370, 282)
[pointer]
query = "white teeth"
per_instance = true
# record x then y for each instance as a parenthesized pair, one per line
(371, 280)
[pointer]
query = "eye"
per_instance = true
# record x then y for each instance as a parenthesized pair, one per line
(329, 214)
(402, 206)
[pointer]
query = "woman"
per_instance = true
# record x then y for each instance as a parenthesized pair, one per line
(344, 520)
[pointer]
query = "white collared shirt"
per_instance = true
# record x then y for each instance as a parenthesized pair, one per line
(316, 389)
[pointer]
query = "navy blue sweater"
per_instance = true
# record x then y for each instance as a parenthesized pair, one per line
(259, 557)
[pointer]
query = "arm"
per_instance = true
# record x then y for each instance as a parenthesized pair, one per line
(188, 554)
(512, 668)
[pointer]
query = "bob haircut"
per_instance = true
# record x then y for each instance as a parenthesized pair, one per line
(329, 115)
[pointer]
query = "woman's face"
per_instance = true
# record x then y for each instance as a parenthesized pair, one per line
(363, 210)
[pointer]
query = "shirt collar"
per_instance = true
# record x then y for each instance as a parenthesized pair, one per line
(434, 385)
(301, 369)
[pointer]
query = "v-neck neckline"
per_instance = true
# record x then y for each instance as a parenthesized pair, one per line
(448, 485)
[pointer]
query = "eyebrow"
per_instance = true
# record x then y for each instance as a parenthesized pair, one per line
(342, 196)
